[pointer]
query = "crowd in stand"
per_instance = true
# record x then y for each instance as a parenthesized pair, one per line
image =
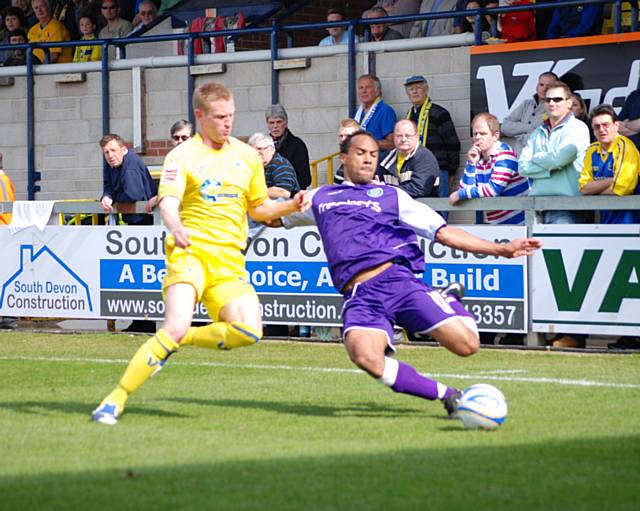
(525, 25)
(68, 20)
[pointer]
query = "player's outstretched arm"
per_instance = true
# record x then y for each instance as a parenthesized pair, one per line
(462, 240)
(271, 210)
(170, 212)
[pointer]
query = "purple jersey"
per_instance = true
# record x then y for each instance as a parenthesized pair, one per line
(363, 226)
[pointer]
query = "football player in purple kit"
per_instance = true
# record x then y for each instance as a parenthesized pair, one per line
(368, 231)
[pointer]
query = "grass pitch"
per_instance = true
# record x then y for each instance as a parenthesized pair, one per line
(284, 426)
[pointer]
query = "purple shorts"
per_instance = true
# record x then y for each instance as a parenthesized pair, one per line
(397, 297)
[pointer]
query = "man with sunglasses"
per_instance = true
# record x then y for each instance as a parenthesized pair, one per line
(554, 155)
(181, 131)
(553, 160)
(116, 26)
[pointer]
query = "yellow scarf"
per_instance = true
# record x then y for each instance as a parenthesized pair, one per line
(423, 121)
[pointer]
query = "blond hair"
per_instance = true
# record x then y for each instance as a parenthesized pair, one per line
(209, 92)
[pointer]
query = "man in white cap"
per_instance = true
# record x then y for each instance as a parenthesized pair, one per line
(435, 130)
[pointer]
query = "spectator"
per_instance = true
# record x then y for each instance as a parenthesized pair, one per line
(29, 16)
(543, 19)
(491, 171)
(116, 26)
(381, 31)
(442, 26)
(575, 21)
(518, 26)
(373, 114)
(401, 8)
(630, 118)
(410, 166)
(579, 108)
(287, 144)
(527, 116)
(68, 12)
(554, 154)
(7, 194)
(126, 179)
(181, 131)
(18, 57)
(49, 30)
(278, 172)
(553, 160)
(611, 165)
(468, 23)
(435, 130)
(87, 53)
(147, 14)
(347, 127)
(337, 35)
(12, 19)
(491, 19)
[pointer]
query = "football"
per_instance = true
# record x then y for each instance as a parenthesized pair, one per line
(482, 406)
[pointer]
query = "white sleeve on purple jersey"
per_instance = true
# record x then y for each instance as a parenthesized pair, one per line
(301, 219)
(417, 215)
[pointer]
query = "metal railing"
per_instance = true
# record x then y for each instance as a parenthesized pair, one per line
(328, 159)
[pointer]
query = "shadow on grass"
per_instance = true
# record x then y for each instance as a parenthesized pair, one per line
(586, 474)
(369, 409)
(78, 408)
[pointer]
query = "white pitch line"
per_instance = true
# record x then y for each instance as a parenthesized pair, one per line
(468, 376)
(503, 371)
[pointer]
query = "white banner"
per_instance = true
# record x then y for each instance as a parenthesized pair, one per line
(586, 279)
(117, 272)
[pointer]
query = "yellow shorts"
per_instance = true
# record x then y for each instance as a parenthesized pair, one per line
(218, 274)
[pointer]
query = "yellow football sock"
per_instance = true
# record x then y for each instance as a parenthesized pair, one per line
(142, 365)
(222, 336)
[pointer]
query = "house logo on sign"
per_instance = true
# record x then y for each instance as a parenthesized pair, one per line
(44, 283)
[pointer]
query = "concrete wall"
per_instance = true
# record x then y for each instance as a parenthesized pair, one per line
(69, 125)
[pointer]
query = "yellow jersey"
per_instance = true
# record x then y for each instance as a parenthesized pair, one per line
(51, 32)
(6, 195)
(621, 162)
(216, 187)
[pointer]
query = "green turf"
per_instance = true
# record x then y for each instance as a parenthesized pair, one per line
(258, 428)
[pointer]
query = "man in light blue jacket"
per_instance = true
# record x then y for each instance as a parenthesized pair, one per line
(552, 160)
(554, 154)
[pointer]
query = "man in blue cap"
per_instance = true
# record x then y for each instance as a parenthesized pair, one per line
(435, 130)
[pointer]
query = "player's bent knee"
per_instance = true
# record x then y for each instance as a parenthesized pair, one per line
(471, 338)
(460, 337)
(368, 362)
(175, 331)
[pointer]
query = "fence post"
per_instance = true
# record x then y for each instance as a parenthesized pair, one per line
(275, 85)
(351, 59)
(32, 175)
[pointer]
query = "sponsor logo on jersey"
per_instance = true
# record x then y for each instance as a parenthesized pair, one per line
(169, 175)
(211, 190)
(375, 192)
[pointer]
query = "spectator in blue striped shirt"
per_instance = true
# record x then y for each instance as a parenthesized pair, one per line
(278, 172)
(491, 170)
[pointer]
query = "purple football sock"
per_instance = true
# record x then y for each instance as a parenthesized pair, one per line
(409, 381)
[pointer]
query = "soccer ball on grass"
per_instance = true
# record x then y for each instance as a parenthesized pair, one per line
(482, 406)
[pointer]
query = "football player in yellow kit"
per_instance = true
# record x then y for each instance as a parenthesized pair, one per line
(208, 185)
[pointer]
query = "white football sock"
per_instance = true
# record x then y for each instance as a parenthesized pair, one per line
(390, 373)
